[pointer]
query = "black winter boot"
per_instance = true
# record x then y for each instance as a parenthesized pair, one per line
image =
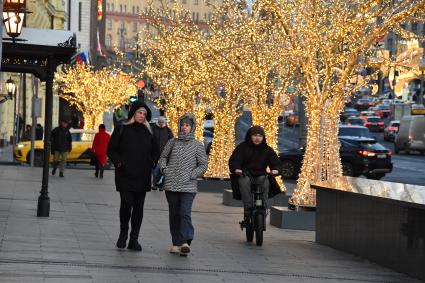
(133, 244)
(122, 239)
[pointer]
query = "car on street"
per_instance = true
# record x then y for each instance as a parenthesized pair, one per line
(354, 121)
(359, 156)
(397, 102)
(391, 130)
(418, 109)
(386, 101)
(363, 104)
(374, 124)
(80, 153)
(383, 111)
(411, 135)
(348, 112)
(365, 114)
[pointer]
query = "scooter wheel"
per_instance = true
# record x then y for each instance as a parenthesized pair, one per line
(259, 229)
(249, 233)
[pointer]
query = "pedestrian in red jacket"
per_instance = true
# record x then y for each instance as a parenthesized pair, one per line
(99, 147)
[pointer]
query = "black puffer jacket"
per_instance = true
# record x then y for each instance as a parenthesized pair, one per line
(254, 158)
(134, 151)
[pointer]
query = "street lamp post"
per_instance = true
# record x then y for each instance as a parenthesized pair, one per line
(13, 18)
(10, 88)
(11, 91)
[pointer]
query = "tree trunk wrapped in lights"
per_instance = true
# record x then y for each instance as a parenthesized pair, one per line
(94, 91)
(224, 137)
(313, 155)
(332, 168)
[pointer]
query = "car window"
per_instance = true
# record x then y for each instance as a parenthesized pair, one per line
(370, 145)
(355, 132)
(356, 121)
(76, 136)
(82, 137)
(395, 124)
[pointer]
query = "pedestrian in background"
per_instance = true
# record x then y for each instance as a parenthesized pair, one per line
(39, 132)
(26, 135)
(134, 152)
(61, 145)
(99, 148)
(162, 134)
(182, 161)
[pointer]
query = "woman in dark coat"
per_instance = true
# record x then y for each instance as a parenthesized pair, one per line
(134, 152)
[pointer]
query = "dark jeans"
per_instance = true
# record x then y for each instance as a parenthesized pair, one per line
(180, 210)
(132, 208)
(155, 172)
(245, 188)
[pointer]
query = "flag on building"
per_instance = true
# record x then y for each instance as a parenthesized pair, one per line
(81, 57)
(99, 10)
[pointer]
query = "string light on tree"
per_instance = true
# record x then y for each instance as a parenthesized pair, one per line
(94, 91)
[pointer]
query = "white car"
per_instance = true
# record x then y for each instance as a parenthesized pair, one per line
(398, 101)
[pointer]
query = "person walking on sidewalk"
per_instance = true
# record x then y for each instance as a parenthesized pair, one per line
(61, 145)
(99, 148)
(162, 134)
(134, 152)
(182, 161)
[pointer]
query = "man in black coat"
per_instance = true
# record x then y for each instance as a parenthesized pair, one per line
(134, 151)
(162, 133)
(253, 156)
(61, 145)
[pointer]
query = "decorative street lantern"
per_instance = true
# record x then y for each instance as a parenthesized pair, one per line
(10, 87)
(13, 17)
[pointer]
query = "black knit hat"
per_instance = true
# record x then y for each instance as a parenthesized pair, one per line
(136, 106)
(257, 130)
(254, 131)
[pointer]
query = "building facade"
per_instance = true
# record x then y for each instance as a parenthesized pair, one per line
(45, 15)
(124, 25)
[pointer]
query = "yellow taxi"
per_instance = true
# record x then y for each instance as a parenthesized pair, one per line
(81, 147)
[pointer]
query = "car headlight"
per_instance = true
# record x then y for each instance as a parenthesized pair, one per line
(20, 145)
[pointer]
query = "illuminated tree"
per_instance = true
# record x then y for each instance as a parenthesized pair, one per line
(94, 91)
(328, 40)
(237, 53)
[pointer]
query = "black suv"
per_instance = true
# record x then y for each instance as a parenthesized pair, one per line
(359, 155)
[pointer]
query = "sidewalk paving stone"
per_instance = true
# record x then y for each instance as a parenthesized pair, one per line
(77, 242)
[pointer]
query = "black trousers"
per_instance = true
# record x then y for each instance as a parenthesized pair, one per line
(132, 209)
(99, 168)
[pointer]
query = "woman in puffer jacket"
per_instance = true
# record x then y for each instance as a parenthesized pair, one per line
(182, 161)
